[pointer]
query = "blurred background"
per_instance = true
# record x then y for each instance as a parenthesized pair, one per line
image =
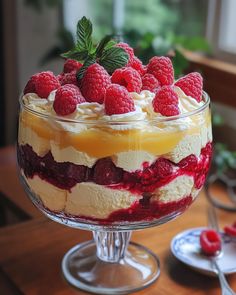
(197, 34)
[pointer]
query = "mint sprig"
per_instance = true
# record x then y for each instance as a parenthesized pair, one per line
(88, 62)
(113, 58)
(105, 53)
(84, 35)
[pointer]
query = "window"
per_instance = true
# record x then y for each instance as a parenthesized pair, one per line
(161, 17)
(227, 34)
(221, 28)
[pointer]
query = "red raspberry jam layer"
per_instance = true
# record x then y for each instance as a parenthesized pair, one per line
(104, 172)
(143, 210)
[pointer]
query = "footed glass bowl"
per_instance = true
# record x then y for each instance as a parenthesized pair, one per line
(112, 177)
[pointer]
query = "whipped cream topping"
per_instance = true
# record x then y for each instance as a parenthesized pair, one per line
(94, 111)
(187, 103)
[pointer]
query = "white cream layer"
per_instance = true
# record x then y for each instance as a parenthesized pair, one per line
(97, 201)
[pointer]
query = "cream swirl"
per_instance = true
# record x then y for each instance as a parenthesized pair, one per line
(93, 111)
(187, 103)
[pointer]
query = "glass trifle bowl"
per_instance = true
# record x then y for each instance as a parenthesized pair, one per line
(112, 175)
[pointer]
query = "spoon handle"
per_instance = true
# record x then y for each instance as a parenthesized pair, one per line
(226, 290)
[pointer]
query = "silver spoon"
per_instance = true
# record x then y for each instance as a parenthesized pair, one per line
(212, 222)
(225, 288)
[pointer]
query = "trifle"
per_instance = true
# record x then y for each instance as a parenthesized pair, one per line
(111, 144)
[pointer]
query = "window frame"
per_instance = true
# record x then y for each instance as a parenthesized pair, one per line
(213, 31)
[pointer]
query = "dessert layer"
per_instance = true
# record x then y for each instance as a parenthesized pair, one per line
(92, 201)
(66, 175)
(127, 160)
(109, 135)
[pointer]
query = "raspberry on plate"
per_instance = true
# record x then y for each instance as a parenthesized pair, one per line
(136, 64)
(128, 49)
(94, 83)
(30, 86)
(68, 78)
(162, 69)
(150, 83)
(71, 65)
(210, 241)
(66, 99)
(191, 85)
(118, 100)
(45, 83)
(230, 229)
(166, 102)
(129, 78)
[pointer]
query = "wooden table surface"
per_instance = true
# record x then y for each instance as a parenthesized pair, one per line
(31, 251)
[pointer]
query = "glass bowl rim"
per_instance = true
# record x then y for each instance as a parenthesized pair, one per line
(159, 119)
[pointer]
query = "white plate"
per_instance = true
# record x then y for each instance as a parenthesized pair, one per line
(186, 247)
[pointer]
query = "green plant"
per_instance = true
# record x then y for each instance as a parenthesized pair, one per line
(39, 5)
(224, 159)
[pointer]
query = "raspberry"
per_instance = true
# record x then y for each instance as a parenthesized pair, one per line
(210, 241)
(136, 64)
(163, 168)
(118, 100)
(189, 163)
(166, 102)
(161, 68)
(45, 83)
(66, 99)
(129, 78)
(191, 85)
(94, 83)
(128, 49)
(105, 172)
(230, 229)
(30, 86)
(71, 65)
(150, 83)
(68, 78)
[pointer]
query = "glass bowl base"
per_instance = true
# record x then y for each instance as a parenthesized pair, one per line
(84, 270)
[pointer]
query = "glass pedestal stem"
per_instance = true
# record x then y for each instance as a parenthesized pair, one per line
(110, 264)
(111, 246)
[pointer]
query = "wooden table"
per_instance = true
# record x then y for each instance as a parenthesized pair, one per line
(31, 251)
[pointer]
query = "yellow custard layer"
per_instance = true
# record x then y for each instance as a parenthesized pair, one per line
(99, 143)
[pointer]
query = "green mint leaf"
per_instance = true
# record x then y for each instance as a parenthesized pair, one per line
(84, 35)
(102, 45)
(110, 44)
(75, 54)
(113, 58)
(91, 59)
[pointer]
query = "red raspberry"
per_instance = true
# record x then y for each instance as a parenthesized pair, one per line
(191, 85)
(118, 100)
(94, 83)
(45, 83)
(189, 163)
(68, 78)
(162, 69)
(150, 83)
(105, 172)
(137, 65)
(128, 49)
(166, 102)
(230, 229)
(129, 78)
(71, 65)
(210, 241)
(163, 168)
(30, 86)
(66, 99)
